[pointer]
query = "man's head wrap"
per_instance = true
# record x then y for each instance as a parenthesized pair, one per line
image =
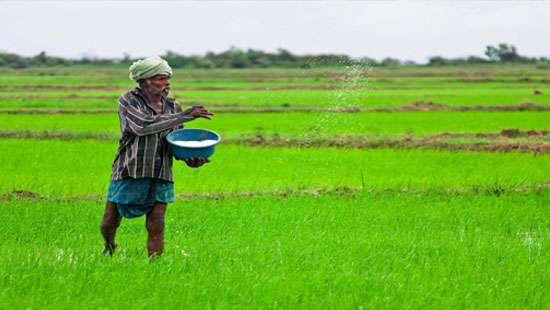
(148, 67)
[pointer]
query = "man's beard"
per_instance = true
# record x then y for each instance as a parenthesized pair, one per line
(151, 89)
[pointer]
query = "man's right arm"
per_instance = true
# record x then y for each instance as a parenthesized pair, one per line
(141, 124)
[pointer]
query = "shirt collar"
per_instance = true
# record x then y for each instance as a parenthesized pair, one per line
(166, 101)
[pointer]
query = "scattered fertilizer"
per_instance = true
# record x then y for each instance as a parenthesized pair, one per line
(203, 143)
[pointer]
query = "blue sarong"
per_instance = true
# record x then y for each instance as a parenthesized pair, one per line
(136, 197)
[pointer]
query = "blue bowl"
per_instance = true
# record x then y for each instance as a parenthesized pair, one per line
(183, 152)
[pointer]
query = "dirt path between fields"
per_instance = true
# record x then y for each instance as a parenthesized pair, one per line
(521, 83)
(426, 106)
(508, 140)
(340, 191)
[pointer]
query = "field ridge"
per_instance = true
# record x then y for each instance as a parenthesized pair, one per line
(495, 189)
(507, 140)
(418, 106)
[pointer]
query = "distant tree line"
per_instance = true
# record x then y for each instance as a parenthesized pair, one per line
(282, 58)
(502, 53)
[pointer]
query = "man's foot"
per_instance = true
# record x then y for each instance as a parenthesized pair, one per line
(154, 256)
(109, 249)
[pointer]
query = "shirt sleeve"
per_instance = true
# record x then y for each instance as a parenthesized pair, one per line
(134, 121)
(177, 108)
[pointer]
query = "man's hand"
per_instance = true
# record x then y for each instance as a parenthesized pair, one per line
(200, 111)
(196, 162)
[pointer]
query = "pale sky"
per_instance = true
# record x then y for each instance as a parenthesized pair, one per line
(405, 30)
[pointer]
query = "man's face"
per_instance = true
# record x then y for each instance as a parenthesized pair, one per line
(158, 84)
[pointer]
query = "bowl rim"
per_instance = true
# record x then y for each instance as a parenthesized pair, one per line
(193, 147)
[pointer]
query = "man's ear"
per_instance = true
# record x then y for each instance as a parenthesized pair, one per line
(144, 82)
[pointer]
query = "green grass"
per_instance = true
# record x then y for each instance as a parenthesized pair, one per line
(59, 103)
(504, 85)
(418, 229)
(297, 124)
(366, 98)
(509, 71)
(83, 168)
(304, 98)
(382, 251)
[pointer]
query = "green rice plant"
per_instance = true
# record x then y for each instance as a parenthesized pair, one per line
(302, 124)
(366, 98)
(371, 251)
(66, 168)
(84, 88)
(295, 99)
(284, 227)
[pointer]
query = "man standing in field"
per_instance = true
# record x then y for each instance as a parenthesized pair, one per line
(141, 179)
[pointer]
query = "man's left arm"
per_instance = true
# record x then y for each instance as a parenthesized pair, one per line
(177, 109)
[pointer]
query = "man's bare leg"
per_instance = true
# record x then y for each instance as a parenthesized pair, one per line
(155, 229)
(109, 225)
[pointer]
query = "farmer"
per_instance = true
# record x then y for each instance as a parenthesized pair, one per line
(141, 179)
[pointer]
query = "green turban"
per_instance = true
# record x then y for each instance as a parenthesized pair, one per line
(148, 67)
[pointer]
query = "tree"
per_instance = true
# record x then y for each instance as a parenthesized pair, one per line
(41, 58)
(388, 61)
(285, 56)
(13, 60)
(126, 58)
(502, 53)
(437, 61)
(368, 61)
(237, 58)
(475, 60)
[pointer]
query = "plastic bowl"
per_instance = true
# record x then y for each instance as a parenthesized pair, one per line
(185, 152)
